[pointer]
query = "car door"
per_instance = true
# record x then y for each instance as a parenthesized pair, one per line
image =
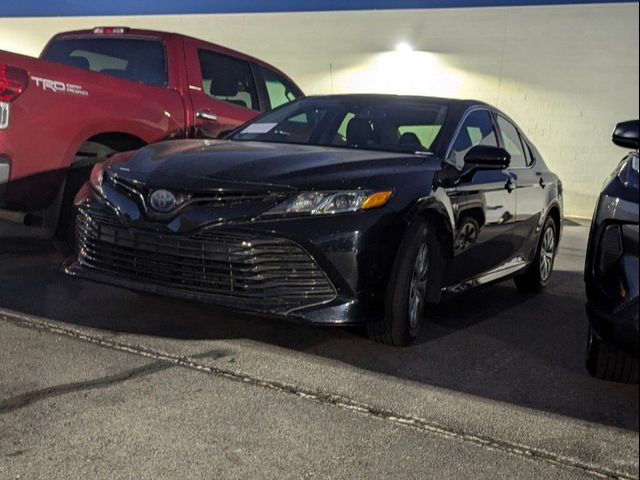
(530, 184)
(483, 205)
(222, 89)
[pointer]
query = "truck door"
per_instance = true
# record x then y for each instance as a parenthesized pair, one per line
(222, 89)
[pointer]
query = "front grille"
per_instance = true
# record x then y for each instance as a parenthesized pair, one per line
(218, 198)
(241, 270)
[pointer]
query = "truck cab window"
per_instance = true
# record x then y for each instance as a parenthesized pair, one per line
(279, 89)
(228, 79)
(130, 59)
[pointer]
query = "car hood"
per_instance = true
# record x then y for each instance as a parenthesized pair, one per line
(201, 165)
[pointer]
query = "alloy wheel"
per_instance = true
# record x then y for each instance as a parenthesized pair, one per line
(418, 287)
(547, 253)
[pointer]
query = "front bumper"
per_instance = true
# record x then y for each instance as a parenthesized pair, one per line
(318, 270)
(619, 328)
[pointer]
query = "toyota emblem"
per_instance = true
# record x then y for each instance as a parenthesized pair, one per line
(163, 201)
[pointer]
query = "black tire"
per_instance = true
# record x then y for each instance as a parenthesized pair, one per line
(608, 362)
(536, 277)
(397, 328)
(64, 236)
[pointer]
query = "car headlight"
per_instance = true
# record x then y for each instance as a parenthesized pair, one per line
(97, 177)
(628, 173)
(326, 203)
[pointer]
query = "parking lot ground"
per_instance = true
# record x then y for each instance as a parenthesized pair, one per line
(99, 382)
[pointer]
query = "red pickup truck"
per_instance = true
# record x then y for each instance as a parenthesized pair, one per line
(96, 92)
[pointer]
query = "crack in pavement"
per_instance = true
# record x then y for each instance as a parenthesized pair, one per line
(417, 423)
(20, 401)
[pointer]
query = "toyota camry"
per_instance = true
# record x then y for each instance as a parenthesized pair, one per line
(340, 210)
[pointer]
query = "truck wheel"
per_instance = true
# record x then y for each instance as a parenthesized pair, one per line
(64, 236)
(538, 274)
(90, 153)
(407, 290)
(608, 362)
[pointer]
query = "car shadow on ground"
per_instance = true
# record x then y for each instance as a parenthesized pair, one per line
(496, 343)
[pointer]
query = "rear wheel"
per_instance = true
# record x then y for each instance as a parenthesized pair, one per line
(538, 274)
(407, 290)
(608, 362)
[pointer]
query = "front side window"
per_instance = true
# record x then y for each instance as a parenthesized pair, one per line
(397, 126)
(139, 60)
(477, 129)
(512, 142)
(279, 89)
(228, 79)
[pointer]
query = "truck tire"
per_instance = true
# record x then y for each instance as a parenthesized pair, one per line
(608, 362)
(90, 154)
(64, 236)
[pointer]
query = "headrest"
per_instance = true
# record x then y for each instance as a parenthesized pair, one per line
(78, 62)
(410, 139)
(224, 87)
(360, 132)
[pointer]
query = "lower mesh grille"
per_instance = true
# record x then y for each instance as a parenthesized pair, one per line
(235, 269)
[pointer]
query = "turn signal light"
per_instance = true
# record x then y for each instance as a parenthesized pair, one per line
(376, 200)
(13, 81)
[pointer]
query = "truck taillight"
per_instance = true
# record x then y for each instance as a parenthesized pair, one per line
(13, 81)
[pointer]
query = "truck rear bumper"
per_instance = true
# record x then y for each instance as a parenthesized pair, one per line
(4, 179)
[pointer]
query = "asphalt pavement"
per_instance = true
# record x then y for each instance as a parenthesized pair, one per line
(99, 382)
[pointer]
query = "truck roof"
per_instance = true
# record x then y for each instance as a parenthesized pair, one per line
(120, 31)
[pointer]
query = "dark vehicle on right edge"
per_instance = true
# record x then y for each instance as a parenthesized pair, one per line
(611, 271)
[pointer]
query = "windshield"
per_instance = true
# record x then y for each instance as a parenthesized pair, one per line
(397, 125)
(132, 59)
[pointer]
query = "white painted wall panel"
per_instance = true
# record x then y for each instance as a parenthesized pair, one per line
(567, 74)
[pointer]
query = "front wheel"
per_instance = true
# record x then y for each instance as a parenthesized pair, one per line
(538, 274)
(608, 362)
(408, 286)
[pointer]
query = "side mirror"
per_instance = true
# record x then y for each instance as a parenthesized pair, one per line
(485, 157)
(626, 134)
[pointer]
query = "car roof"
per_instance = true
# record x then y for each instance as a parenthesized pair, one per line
(461, 104)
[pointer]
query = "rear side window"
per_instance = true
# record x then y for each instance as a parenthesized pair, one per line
(477, 129)
(512, 142)
(228, 79)
(279, 89)
(138, 60)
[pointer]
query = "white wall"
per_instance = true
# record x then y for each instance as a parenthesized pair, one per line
(566, 74)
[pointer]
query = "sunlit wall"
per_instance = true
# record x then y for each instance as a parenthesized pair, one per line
(566, 74)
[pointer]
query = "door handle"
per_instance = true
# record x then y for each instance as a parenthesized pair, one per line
(212, 117)
(510, 186)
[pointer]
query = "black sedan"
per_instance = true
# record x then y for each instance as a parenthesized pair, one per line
(611, 271)
(354, 209)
